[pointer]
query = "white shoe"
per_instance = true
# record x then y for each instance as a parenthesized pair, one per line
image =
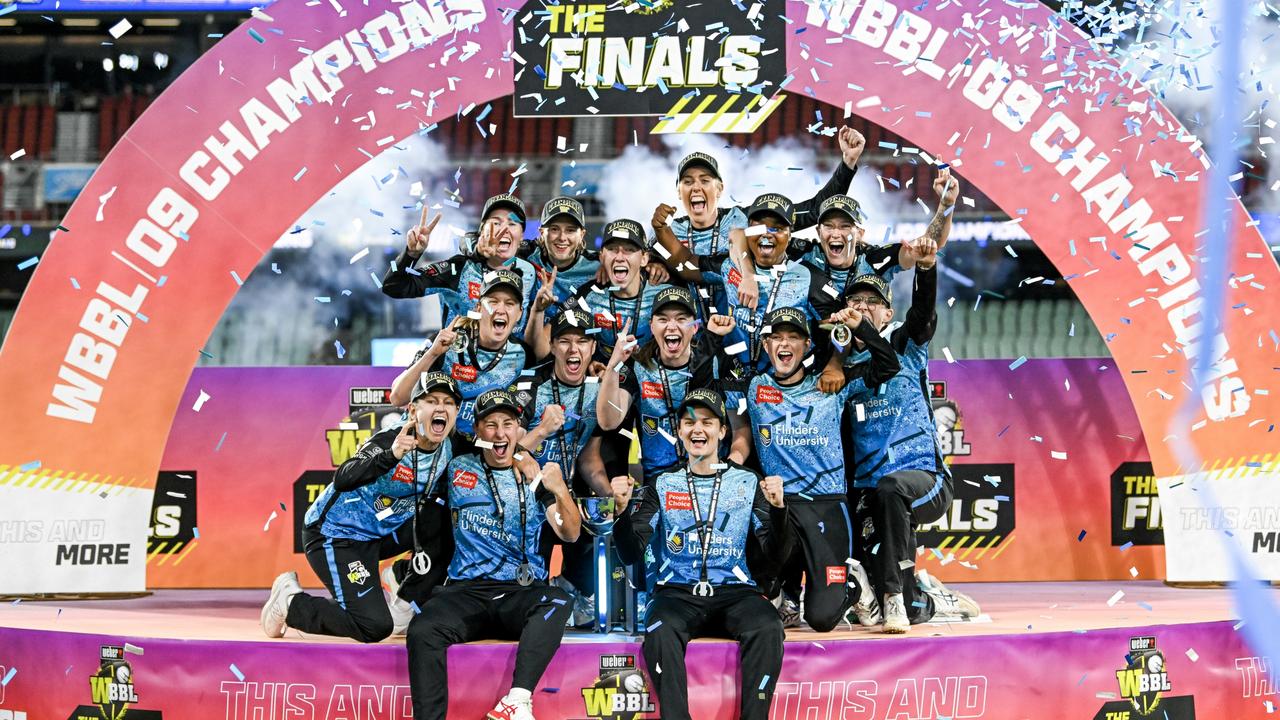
(401, 611)
(895, 615)
(947, 603)
(867, 609)
(286, 585)
(509, 709)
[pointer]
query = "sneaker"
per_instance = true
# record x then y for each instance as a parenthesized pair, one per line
(867, 609)
(508, 709)
(789, 611)
(286, 585)
(947, 603)
(401, 611)
(895, 615)
(583, 616)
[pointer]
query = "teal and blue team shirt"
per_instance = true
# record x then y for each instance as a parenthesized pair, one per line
(797, 431)
(711, 245)
(656, 393)
(486, 534)
(893, 424)
(610, 312)
(536, 392)
(380, 508)
(879, 259)
(457, 281)
(478, 371)
(788, 287)
(663, 510)
(568, 281)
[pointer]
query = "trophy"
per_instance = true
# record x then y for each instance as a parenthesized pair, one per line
(597, 515)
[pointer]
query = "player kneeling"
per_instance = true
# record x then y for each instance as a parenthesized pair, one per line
(708, 512)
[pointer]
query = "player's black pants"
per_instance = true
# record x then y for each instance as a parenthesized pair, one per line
(471, 610)
(900, 501)
(349, 568)
(826, 543)
(739, 612)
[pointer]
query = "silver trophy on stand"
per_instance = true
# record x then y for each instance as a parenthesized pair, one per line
(598, 519)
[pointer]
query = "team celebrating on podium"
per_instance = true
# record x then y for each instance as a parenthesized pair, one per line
(755, 406)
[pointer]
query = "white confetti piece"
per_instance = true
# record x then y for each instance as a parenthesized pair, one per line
(1191, 653)
(120, 28)
(1115, 598)
(18, 153)
(200, 401)
(267, 524)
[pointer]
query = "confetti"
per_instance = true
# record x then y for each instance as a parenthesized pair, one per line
(200, 401)
(236, 671)
(8, 676)
(1115, 598)
(274, 515)
(1193, 655)
(120, 28)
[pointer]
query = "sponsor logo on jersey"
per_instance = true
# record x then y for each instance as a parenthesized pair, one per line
(677, 500)
(837, 574)
(768, 394)
(602, 321)
(651, 391)
(464, 373)
(649, 425)
(735, 277)
(675, 543)
(473, 290)
(465, 479)
(403, 474)
(357, 572)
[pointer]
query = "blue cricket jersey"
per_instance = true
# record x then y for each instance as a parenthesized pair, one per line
(489, 543)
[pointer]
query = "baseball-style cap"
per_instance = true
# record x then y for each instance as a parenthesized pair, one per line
(563, 205)
(702, 397)
(674, 296)
(625, 230)
(430, 381)
(841, 204)
(502, 277)
(505, 200)
(872, 282)
(774, 204)
(495, 400)
(571, 320)
(787, 316)
(698, 159)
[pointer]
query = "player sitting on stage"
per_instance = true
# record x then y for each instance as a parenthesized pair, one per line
(480, 359)
(460, 279)
(497, 586)
(697, 505)
(899, 477)
(696, 244)
(797, 429)
(365, 515)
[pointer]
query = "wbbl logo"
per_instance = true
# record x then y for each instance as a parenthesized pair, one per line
(621, 691)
